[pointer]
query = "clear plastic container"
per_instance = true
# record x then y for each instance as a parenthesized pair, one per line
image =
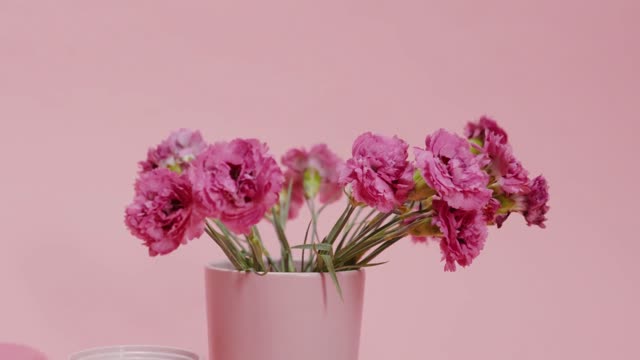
(134, 352)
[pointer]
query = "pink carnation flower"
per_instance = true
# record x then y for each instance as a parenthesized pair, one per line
(501, 218)
(328, 166)
(513, 184)
(536, 202)
(449, 167)
(478, 130)
(297, 193)
(510, 175)
(175, 152)
(490, 211)
(419, 239)
(491, 215)
(464, 234)
(532, 204)
(163, 212)
(379, 173)
(237, 182)
(492, 141)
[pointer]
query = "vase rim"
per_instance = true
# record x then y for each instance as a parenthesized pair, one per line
(226, 266)
(167, 352)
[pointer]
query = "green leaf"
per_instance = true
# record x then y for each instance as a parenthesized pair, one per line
(229, 234)
(285, 205)
(314, 219)
(372, 225)
(350, 227)
(362, 223)
(337, 228)
(358, 267)
(368, 235)
(233, 257)
(264, 250)
(321, 246)
(306, 237)
(380, 234)
(224, 229)
(273, 264)
(256, 251)
(377, 251)
(332, 272)
(286, 249)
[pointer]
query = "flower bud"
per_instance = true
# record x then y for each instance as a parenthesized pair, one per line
(311, 182)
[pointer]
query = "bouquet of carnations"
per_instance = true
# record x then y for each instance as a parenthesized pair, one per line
(450, 192)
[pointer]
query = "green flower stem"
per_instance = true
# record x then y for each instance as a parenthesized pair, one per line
(372, 226)
(312, 254)
(349, 228)
(285, 204)
(287, 261)
(393, 230)
(360, 226)
(256, 251)
(357, 249)
(339, 226)
(227, 247)
(314, 220)
(314, 224)
(373, 232)
(264, 249)
(378, 219)
(332, 236)
(385, 245)
(230, 235)
(306, 237)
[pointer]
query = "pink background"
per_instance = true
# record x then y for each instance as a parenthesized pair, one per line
(86, 87)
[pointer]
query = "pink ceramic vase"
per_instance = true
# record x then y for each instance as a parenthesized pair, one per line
(283, 316)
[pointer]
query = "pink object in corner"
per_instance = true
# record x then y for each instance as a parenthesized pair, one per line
(282, 316)
(19, 352)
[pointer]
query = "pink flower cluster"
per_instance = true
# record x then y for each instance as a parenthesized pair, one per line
(512, 187)
(454, 188)
(183, 181)
(477, 181)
